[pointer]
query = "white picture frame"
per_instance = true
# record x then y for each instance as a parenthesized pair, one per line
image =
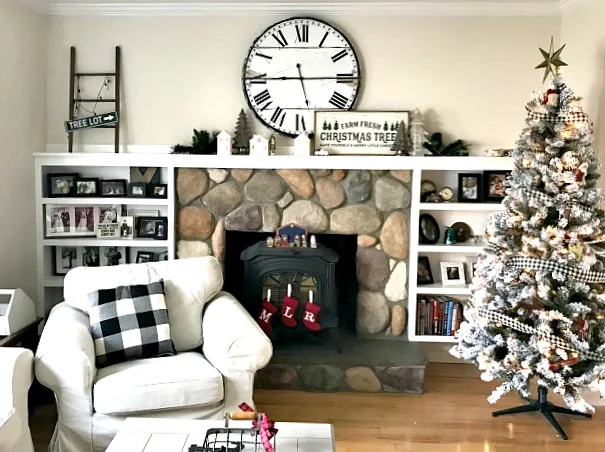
(452, 274)
(471, 264)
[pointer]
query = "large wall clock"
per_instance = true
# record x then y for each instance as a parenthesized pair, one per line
(298, 66)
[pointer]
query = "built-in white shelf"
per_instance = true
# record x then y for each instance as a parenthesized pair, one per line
(130, 243)
(457, 248)
(461, 206)
(429, 338)
(86, 201)
(53, 281)
(440, 289)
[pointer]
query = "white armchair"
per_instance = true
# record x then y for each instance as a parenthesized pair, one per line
(16, 376)
(220, 347)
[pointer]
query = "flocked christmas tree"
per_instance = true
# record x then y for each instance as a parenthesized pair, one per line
(537, 309)
(241, 142)
(402, 144)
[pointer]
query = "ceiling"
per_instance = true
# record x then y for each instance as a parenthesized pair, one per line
(277, 7)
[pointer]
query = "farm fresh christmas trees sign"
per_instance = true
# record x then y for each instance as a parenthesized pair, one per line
(358, 132)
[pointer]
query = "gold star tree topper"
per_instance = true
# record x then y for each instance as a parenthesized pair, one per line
(552, 60)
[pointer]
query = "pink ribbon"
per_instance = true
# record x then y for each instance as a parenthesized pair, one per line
(266, 430)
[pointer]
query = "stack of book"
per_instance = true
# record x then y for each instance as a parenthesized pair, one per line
(438, 316)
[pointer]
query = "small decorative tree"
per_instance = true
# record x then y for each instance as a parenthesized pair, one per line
(241, 142)
(402, 144)
(418, 133)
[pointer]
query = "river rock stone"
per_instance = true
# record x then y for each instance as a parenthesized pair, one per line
(321, 172)
(404, 176)
(299, 180)
(362, 379)
(394, 236)
(398, 319)
(331, 194)
(223, 198)
(307, 215)
(191, 183)
(321, 377)
(265, 186)
(271, 217)
(360, 219)
(218, 240)
(218, 175)
(244, 218)
(404, 379)
(378, 172)
(187, 249)
(357, 186)
(285, 200)
(396, 287)
(278, 376)
(373, 313)
(390, 195)
(195, 223)
(366, 241)
(339, 174)
(372, 268)
(241, 175)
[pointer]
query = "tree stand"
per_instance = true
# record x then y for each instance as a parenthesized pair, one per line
(545, 407)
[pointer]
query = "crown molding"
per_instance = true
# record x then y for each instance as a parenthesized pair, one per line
(40, 6)
(417, 8)
(567, 6)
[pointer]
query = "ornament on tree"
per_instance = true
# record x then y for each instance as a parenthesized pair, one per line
(243, 135)
(551, 97)
(582, 328)
(267, 312)
(311, 313)
(288, 309)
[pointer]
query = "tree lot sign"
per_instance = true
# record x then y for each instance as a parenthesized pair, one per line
(73, 125)
(358, 132)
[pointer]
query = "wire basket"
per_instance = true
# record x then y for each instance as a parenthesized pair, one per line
(233, 439)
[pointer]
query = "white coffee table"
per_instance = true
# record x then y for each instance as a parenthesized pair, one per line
(176, 435)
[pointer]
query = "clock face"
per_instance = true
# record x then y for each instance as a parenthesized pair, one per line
(296, 67)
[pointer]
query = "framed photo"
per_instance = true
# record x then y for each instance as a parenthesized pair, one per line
(84, 221)
(471, 265)
(87, 186)
(161, 231)
(429, 229)
(148, 226)
(469, 187)
(108, 214)
(144, 256)
(137, 190)
(59, 220)
(58, 185)
(138, 212)
(159, 190)
(424, 274)
(91, 256)
(494, 189)
(112, 255)
(64, 259)
(358, 132)
(113, 188)
(126, 225)
(452, 274)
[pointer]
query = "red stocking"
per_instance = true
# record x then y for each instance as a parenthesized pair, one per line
(266, 314)
(288, 309)
(310, 317)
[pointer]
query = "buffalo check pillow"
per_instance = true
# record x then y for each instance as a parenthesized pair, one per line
(129, 322)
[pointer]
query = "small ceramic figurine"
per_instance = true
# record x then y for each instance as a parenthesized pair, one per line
(284, 240)
(297, 240)
(272, 145)
(303, 241)
(313, 241)
(277, 240)
(269, 242)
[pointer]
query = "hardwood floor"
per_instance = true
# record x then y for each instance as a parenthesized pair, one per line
(452, 416)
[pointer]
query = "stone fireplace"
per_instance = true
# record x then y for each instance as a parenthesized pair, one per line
(373, 205)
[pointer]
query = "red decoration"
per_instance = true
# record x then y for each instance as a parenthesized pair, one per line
(550, 92)
(266, 429)
(266, 314)
(310, 315)
(567, 362)
(288, 309)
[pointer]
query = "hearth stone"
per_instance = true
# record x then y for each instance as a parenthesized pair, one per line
(279, 376)
(218, 240)
(357, 185)
(285, 200)
(403, 379)
(187, 249)
(320, 172)
(271, 217)
(373, 313)
(339, 174)
(404, 176)
(372, 268)
(357, 219)
(191, 184)
(218, 175)
(398, 319)
(321, 377)
(223, 198)
(244, 218)
(391, 195)
(241, 175)
(265, 186)
(394, 236)
(331, 194)
(195, 223)
(362, 379)
(366, 241)
(299, 181)
(379, 172)
(395, 289)
(306, 214)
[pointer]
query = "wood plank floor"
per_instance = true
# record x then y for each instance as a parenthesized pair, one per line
(452, 416)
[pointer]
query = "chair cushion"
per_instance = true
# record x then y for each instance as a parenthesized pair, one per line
(10, 427)
(184, 380)
(129, 322)
(188, 285)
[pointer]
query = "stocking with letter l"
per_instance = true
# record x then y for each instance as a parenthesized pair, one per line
(288, 309)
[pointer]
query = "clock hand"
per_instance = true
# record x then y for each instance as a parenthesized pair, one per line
(302, 83)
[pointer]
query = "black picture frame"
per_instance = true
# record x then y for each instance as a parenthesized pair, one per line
(71, 252)
(144, 256)
(424, 275)
(158, 191)
(143, 229)
(137, 190)
(488, 185)
(470, 194)
(161, 231)
(113, 188)
(86, 182)
(429, 231)
(52, 190)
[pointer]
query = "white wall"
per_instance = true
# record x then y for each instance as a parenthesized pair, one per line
(472, 75)
(23, 131)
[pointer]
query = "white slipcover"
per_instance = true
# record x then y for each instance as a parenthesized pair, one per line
(233, 347)
(16, 376)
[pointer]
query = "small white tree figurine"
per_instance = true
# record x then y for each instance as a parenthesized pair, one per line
(223, 144)
(302, 145)
(418, 133)
(259, 146)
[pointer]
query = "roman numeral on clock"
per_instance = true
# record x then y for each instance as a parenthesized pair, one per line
(302, 33)
(262, 55)
(280, 38)
(261, 97)
(339, 56)
(321, 43)
(300, 122)
(338, 100)
(344, 78)
(278, 111)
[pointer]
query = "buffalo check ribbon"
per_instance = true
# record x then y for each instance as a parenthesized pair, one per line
(266, 429)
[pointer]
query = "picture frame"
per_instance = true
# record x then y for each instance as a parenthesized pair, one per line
(61, 184)
(114, 188)
(84, 220)
(126, 227)
(471, 267)
(147, 226)
(158, 191)
(354, 132)
(452, 274)
(70, 221)
(470, 187)
(90, 256)
(112, 255)
(429, 231)
(423, 274)
(494, 185)
(144, 256)
(137, 190)
(161, 231)
(86, 187)
(107, 222)
(64, 259)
